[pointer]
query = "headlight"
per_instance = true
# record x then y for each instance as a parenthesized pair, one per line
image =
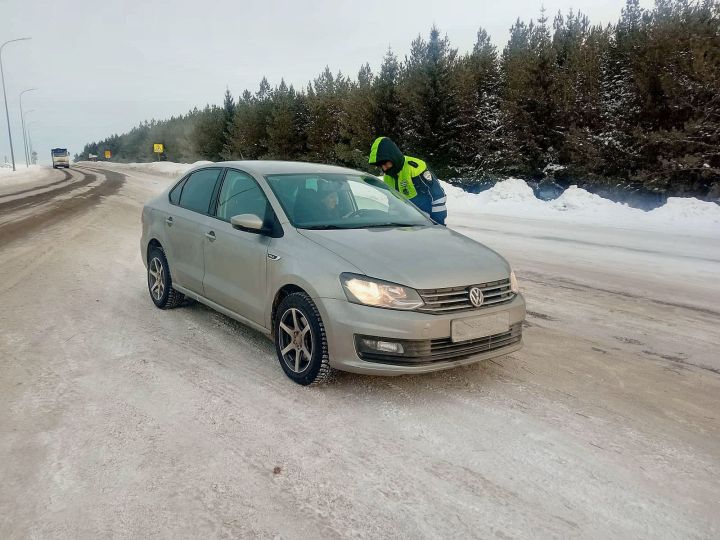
(513, 282)
(373, 292)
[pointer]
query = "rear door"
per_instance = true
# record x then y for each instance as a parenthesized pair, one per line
(186, 226)
(236, 261)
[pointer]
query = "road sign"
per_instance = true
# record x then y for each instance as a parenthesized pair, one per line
(158, 148)
(108, 154)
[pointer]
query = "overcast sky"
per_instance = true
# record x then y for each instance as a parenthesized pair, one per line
(104, 66)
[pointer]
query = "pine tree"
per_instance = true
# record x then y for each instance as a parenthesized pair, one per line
(385, 96)
(358, 120)
(283, 136)
(429, 116)
(228, 115)
(479, 150)
(325, 108)
(208, 133)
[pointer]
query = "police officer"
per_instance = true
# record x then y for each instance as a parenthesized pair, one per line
(411, 177)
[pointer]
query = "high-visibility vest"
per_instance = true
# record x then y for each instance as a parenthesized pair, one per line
(413, 167)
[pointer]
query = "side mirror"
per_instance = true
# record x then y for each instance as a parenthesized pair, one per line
(249, 223)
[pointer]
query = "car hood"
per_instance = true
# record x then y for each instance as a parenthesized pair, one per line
(419, 257)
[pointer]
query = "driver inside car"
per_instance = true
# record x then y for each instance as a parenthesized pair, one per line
(329, 201)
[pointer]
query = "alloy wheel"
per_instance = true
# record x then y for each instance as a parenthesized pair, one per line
(295, 339)
(156, 279)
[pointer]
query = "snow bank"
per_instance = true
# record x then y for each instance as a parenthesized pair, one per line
(690, 212)
(22, 175)
(163, 168)
(513, 197)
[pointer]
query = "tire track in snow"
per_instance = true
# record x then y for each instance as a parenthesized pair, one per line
(66, 176)
(46, 196)
(58, 209)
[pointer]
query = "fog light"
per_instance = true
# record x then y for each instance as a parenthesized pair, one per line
(389, 346)
(382, 346)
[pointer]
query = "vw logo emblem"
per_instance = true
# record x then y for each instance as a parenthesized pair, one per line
(476, 297)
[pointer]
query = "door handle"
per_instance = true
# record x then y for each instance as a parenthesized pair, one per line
(169, 221)
(210, 236)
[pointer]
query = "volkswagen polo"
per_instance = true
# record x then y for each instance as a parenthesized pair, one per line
(338, 269)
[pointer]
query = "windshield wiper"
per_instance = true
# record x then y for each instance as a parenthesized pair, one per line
(369, 226)
(392, 224)
(323, 227)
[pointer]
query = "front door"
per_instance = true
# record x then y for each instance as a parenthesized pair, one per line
(236, 261)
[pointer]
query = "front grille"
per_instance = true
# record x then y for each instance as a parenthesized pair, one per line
(439, 350)
(445, 349)
(457, 299)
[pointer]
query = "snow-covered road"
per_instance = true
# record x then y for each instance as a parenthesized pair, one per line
(119, 419)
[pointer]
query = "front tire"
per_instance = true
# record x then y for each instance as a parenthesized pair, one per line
(301, 341)
(160, 282)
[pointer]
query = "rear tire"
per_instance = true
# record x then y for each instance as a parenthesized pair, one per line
(160, 282)
(301, 341)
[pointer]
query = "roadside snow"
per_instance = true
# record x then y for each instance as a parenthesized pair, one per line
(163, 168)
(513, 197)
(22, 175)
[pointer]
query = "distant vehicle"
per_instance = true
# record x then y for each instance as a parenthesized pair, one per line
(60, 158)
(342, 272)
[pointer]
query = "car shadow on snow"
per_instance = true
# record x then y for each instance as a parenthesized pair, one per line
(487, 373)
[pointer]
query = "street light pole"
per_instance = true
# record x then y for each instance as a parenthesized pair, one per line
(7, 113)
(23, 121)
(22, 117)
(30, 146)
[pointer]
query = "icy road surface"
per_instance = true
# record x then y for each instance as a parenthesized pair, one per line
(118, 419)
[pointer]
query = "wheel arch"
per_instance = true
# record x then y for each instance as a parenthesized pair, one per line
(153, 243)
(281, 293)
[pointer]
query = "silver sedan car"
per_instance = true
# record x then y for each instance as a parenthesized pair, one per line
(339, 270)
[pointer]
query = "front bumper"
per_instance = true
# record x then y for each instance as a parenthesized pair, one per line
(344, 321)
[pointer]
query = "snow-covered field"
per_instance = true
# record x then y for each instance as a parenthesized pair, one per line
(119, 419)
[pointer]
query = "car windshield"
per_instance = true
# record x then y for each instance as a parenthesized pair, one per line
(342, 201)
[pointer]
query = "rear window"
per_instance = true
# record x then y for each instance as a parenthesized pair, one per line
(176, 191)
(198, 190)
(59, 152)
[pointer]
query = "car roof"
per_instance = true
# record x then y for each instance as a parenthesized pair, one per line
(262, 168)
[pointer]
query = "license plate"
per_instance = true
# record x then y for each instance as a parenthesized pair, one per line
(479, 327)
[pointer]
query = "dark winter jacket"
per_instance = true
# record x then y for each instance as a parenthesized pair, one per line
(411, 177)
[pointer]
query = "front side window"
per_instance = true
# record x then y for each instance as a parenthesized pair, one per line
(198, 190)
(241, 194)
(342, 201)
